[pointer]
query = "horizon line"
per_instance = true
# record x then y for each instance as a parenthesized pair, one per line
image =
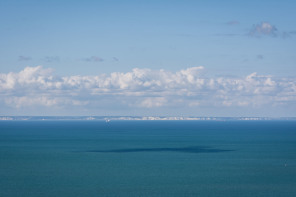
(144, 118)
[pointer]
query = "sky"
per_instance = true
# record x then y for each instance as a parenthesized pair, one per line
(148, 58)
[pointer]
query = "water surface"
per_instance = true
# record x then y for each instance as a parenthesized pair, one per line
(148, 158)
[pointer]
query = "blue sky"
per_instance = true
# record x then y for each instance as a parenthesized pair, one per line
(229, 40)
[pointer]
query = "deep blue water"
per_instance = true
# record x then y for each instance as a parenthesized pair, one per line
(148, 158)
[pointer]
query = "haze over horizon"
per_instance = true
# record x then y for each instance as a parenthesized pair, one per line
(148, 58)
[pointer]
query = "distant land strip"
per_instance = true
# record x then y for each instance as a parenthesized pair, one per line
(148, 118)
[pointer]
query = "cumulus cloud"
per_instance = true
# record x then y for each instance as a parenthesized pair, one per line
(143, 88)
(263, 29)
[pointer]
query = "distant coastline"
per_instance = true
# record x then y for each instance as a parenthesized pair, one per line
(141, 118)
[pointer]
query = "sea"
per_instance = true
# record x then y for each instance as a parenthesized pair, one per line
(148, 158)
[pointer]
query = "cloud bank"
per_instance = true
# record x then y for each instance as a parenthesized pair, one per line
(143, 88)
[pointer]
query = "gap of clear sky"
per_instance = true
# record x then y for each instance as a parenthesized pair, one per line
(92, 38)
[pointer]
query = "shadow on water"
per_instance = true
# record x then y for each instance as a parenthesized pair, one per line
(192, 149)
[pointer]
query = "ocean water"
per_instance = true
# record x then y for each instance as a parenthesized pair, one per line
(148, 158)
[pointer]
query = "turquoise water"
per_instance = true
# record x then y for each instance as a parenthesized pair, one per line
(148, 158)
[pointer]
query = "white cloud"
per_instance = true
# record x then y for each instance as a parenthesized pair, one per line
(143, 88)
(267, 29)
(23, 101)
(153, 102)
(263, 29)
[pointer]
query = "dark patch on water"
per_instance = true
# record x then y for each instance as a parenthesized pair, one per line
(192, 149)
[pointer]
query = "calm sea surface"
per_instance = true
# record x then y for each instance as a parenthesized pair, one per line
(148, 158)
